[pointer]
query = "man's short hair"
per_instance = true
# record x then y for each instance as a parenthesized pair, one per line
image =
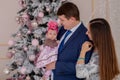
(69, 10)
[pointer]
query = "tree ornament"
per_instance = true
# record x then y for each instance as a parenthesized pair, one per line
(9, 55)
(41, 14)
(34, 24)
(10, 42)
(28, 32)
(31, 57)
(25, 48)
(25, 17)
(35, 42)
(6, 71)
(23, 70)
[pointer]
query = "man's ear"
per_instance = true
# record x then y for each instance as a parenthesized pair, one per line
(72, 18)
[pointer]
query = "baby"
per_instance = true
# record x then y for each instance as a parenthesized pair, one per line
(48, 51)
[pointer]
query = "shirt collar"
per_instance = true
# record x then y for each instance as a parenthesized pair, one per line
(74, 28)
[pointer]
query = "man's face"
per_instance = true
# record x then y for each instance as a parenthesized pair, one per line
(67, 23)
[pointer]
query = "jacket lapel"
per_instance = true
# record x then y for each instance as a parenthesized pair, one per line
(77, 32)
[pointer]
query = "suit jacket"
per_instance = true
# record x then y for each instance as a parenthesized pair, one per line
(67, 58)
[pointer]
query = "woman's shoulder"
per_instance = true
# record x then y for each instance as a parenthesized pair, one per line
(117, 77)
(94, 56)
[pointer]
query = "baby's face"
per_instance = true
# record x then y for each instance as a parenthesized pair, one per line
(51, 34)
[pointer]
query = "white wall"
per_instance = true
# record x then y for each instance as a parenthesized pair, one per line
(85, 9)
(8, 10)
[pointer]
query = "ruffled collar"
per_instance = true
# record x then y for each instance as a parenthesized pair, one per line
(50, 43)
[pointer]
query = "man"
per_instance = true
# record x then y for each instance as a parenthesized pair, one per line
(70, 45)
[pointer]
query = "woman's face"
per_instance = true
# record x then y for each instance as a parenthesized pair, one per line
(89, 32)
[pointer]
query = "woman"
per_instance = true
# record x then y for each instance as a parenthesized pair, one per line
(103, 63)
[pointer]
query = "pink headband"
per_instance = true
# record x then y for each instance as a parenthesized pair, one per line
(52, 25)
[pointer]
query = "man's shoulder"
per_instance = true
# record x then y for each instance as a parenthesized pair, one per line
(83, 26)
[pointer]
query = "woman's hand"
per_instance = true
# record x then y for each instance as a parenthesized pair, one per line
(86, 46)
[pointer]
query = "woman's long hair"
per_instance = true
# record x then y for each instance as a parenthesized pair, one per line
(103, 41)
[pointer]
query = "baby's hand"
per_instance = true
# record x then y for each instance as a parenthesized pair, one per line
(51, 66)
(43, 78)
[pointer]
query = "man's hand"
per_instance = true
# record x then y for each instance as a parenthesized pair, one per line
(51, 66)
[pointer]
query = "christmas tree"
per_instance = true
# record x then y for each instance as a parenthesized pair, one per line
(24, 44)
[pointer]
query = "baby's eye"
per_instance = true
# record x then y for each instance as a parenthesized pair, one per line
(50, 33)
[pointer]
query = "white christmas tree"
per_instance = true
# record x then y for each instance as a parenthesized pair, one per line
(24, 45)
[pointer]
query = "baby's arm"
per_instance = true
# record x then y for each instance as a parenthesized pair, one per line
(46, 75)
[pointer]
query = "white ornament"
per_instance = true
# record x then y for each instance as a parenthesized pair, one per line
(34, 24)
(32, 57)
(6, 71)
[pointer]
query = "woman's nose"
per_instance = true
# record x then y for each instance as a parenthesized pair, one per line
(87, 33)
